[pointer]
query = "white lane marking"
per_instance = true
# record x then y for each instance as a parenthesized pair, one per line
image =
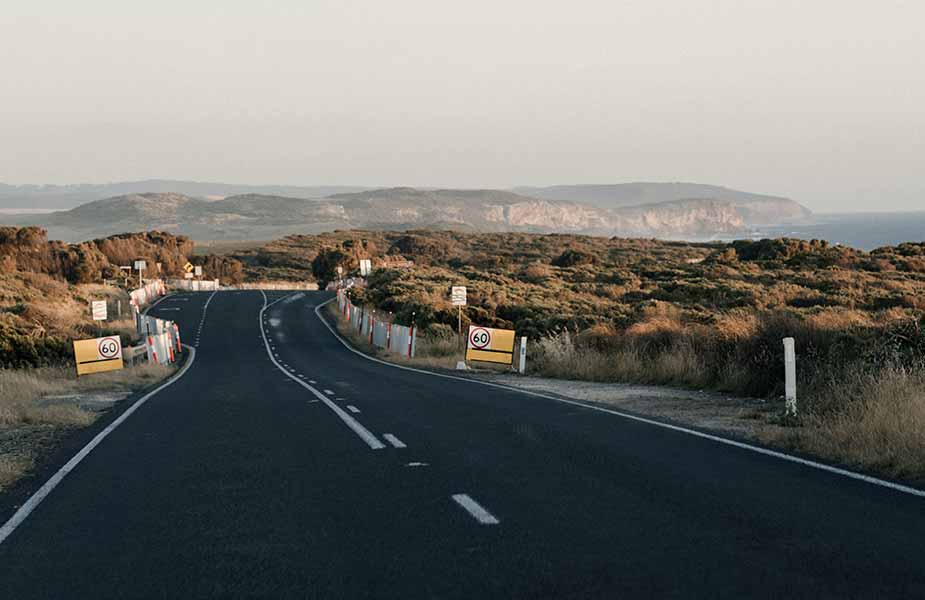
(301, 376)
(266, 306)
(312, 381)
(32, 503)
(366, 435)
(897, 487)
(475, 509)
(354, 410)
(329, 392)
(417, 464)
(166, 308)
(394, 440)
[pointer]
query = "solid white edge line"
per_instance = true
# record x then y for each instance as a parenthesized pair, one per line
(898, 487)
(32, 503)
(371, 440)
(397, 443)
(475, 509)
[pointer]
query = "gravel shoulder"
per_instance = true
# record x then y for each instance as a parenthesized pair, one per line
(731, 416)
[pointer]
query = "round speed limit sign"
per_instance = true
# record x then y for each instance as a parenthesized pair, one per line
(109, 348)
(479, 338)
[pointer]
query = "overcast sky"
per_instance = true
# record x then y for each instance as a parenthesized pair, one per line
(820, 100)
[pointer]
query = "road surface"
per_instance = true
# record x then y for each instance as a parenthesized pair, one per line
(343, 477)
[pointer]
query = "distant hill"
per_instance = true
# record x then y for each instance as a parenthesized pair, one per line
(755, 209)
(61, 197)
(261, 217)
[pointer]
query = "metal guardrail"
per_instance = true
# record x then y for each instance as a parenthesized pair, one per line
(382, 334)
(161, 337)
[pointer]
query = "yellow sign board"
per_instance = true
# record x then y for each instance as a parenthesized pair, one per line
(98, 355)
(188, 267)
(490, 345)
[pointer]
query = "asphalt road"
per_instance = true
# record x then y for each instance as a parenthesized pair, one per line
(348, 478)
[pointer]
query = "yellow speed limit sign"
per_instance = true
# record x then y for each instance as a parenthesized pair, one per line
(98, 355)
(490, 345)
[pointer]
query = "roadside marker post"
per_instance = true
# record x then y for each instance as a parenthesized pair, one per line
(523, 354)
(790, 376)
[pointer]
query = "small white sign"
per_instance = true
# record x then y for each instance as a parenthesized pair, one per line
(198, 271)
(187, 276)
(99, 310)
(458, 295)
(366, 267)
(140, 265)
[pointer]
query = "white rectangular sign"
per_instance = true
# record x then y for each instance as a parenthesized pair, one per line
(198, 271)
(458, 295)
(99, 310)
(140, 265)
(187, 276)
(366, 267)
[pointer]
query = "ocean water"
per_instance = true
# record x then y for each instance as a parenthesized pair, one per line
(865, 231)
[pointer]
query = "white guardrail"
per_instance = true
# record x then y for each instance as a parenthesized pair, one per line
(194, 285)
(161, 337)
(383, 334)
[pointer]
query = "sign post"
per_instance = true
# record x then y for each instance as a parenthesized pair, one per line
(140, 266)
(98, 310)
(458, 297)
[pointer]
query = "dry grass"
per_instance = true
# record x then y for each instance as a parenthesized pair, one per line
(21, 390)
(879, 425)
(12, 467)
(27, 417)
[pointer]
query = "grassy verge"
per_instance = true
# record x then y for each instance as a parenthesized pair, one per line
(875, 421)
(38, 405)
(855, 413)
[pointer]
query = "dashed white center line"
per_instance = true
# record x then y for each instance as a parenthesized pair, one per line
(475, 509)
(329, 392)
(416, 464)
(312, 381)
(393, 440)
(354, 410)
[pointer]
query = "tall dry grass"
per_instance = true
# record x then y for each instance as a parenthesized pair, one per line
(861, 383)
(26, 404)
(873, 420)
(22, 390)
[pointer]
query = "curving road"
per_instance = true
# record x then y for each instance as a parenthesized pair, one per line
(281, 464)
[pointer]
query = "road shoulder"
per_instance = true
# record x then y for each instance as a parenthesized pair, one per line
(59, 446)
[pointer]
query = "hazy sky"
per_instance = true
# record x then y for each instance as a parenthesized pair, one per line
(821, 100)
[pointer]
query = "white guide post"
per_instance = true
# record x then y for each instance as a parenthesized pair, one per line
(790, 376)
(523, 354)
